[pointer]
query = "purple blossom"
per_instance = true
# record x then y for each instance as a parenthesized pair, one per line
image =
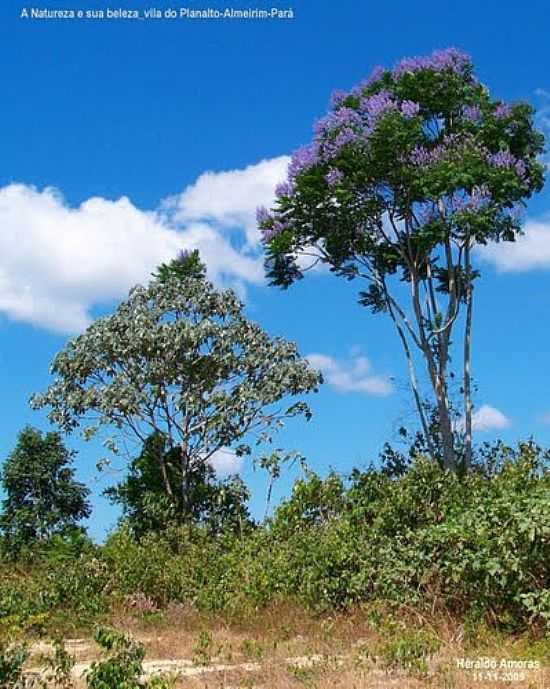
(421, 156)
(267, 234)
(450, 59)
(427, 212)
(262, 215)
(279, 226)
(343, 117)
(336, 130)
(347, 126)
(377, 105)
(284, 189)
(332, 147)
(409, 109)
(521, 168)
(479, 199)
(502, 159)
(274, 229)
(502, 110)
(334, 177)
(183, 255)
(337, 98)
(410, 65)
(457, 202)
(472, 113)
(303, 159)
(462, 200)
(376, 74)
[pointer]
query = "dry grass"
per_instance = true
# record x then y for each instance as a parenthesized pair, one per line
(285, 647)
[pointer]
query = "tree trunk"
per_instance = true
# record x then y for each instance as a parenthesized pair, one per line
(184, 459)
(164, 473)
(467, 361)
(437, 377)
(446, 431)
(412, 375)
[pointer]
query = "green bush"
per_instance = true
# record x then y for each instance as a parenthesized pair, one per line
(122, 665)
(57, 670)
(12, 658)
(409, 650)
(477, 545)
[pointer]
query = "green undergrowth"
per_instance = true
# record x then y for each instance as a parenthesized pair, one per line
(476, 547)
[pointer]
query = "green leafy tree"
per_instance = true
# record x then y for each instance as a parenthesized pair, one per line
(179, 359)
(219, 505)
(43, 499)
(408, 172)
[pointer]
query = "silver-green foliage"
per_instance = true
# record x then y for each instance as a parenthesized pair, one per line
(178, 358)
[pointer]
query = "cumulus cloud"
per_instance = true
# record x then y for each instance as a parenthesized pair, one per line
(354, 375)
(487, 418)
(57, 262)
(225, 462)
(230, 198)
(531, 251)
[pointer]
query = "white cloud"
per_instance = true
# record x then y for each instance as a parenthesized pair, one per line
(230, 198)
(487, 418)
(226, 462)
(57, 262)
(545, 418)
(531, 251)
(351, 376)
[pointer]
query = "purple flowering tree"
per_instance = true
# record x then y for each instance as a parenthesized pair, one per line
(406, 174)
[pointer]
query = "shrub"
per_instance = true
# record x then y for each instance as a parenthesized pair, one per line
(12, 658)
(122, 666)
(477, 546)
(409, 650)
(58, 668)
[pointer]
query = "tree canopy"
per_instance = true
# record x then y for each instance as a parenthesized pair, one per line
(179, 359)
(42, 496)
(405, 175)
(217, 504)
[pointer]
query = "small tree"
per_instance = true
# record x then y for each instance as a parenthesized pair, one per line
(405, 176)
(219, 505)
(43, 498)
(179, 359)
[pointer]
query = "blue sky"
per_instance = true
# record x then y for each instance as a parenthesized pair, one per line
(108, 133)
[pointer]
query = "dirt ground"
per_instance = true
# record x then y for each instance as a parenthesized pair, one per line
(291, 650)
